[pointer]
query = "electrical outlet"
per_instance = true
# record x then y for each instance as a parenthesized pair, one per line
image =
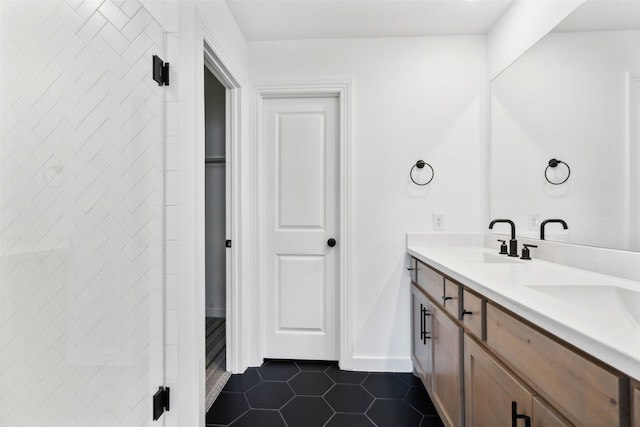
(534, 221)
(438, 222)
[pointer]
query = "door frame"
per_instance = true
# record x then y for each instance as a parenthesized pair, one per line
(342, 90)
(232, 142)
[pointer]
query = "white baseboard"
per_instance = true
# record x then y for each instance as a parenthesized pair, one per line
(215, 312)
(380, 364)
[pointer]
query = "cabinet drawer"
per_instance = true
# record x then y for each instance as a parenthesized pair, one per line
(472, 314)
(450, 298)
(545, 416)
(430, 281)
(635, 398)
(584, 392)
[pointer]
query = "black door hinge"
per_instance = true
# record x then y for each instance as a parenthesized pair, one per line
(160, 71)
(160, 402)
(228, 243)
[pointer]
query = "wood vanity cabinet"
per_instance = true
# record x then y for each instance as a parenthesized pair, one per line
(438, 357)
(484, 366)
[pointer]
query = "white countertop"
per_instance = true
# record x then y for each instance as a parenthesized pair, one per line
(594, 317)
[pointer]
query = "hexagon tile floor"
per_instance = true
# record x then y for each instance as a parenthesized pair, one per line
(285, 393)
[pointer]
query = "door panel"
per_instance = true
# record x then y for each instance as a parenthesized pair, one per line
(81, 211)
(301, 278)
(301, 163)
(300, 141)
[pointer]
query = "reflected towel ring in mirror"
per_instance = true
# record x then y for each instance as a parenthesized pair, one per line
(421, 164)
(552, 164)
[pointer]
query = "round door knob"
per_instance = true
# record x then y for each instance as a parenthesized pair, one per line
(331, 242)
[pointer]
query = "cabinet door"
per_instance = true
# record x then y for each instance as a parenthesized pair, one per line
(447, 367)
(635, 398)
(421, 336)
(490, 390)
(545, 416)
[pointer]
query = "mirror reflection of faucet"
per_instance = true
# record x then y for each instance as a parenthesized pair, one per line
(513, 243)
(547, 221)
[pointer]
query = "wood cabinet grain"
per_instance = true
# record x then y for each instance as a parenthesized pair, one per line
(472, 313)
(545, 416)
(430, 281)
(447, 367)
(490, 390)
(583, 391)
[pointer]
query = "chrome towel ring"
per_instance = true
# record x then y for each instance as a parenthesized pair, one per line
(552, 164)
(421, 164)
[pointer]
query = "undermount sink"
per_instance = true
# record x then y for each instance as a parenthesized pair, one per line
(487, 258)
(612, 302)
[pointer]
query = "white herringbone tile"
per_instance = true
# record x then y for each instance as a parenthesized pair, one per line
(81, 205)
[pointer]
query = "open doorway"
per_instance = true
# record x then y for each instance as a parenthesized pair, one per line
(215, 235)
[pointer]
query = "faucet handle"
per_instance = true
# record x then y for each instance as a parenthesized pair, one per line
(503, 247)
(525, 251)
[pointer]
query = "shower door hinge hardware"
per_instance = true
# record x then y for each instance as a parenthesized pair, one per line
(228, 243)
(160, 71)
(160, 402)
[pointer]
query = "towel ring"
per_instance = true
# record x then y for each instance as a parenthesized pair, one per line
(552, 164)
(421, 164)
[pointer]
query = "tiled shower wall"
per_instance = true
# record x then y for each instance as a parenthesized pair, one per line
(81, 212)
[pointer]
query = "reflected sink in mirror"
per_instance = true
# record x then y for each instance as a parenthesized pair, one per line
(612, 302)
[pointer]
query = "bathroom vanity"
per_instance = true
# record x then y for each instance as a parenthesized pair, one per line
(500, 341)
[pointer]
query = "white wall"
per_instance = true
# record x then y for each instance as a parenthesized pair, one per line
(521, 26)
(566, 98)
(414, 98)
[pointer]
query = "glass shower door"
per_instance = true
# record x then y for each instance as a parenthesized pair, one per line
(81, 206)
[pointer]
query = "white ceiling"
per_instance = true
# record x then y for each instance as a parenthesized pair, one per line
(313, 19)
(601, 15)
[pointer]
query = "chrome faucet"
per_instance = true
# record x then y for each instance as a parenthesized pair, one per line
(513, 243)
(546, 221)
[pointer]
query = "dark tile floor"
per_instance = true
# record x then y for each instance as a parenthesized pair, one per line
(285, 393)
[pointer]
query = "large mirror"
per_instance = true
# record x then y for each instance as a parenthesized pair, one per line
(574, 97)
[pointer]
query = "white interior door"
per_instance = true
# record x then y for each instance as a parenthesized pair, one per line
(300, 309)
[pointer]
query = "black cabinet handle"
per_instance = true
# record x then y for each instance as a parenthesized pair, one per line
(411, 268)
(424, 334)
(331, 242)
(444, 299)
(465, 312)
(515, 416)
